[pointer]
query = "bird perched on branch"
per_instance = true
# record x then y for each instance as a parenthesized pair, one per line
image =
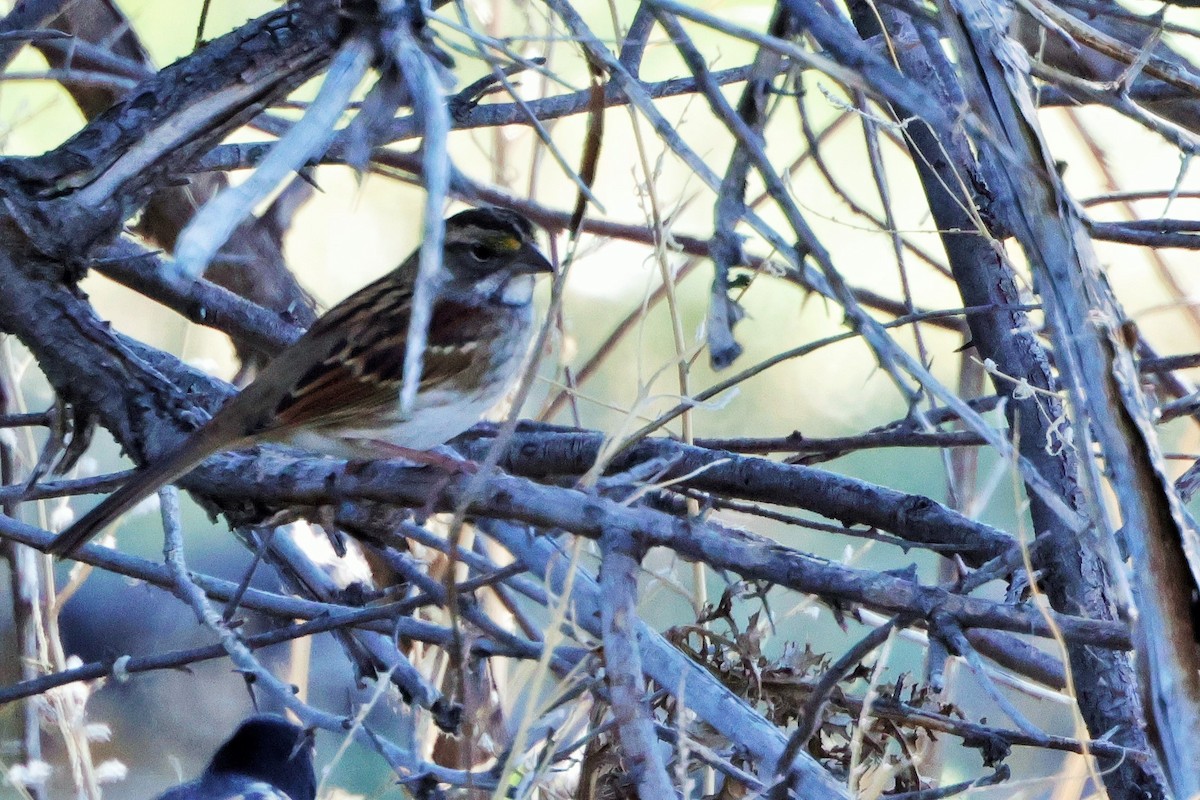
(336, 390)
(266, 758)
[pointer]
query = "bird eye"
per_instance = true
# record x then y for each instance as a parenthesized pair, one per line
(481, 252)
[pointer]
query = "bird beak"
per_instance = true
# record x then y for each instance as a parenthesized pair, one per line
(530, 261)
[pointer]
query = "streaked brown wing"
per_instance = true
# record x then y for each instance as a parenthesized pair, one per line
(362, 375)
(337, 396)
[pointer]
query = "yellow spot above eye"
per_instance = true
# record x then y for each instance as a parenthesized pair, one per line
(507, 244)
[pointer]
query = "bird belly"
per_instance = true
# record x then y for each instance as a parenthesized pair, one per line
(439, 416)
(437, 419)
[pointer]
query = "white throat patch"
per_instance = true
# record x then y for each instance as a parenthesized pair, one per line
(518, 291)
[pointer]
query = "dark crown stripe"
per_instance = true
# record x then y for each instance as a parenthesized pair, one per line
(474, 233)
(490, 221)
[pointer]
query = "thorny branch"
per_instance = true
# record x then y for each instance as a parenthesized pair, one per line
(1049, 328)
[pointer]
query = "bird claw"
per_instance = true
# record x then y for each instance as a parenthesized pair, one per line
(443, 458)
(451, 465)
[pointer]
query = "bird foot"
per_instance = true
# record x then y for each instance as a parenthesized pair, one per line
(443, 459)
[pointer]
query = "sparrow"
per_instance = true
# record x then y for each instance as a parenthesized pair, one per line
(266, 758)
(336, 389)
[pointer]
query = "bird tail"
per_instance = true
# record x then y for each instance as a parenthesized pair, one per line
(167, 470)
